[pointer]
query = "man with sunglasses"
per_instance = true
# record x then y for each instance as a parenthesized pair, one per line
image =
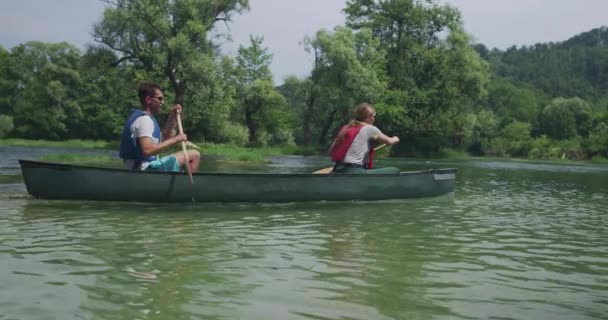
(142, 140)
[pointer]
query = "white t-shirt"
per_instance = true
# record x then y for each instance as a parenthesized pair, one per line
(358, 151)
(142, 127)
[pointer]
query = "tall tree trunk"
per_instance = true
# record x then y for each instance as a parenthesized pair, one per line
(179, 87)
(252, 127)
(328, 122)
(307, 121)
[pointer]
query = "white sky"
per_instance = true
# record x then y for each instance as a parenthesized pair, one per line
(285, 23)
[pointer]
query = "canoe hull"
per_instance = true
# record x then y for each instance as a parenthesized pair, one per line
(62, 181)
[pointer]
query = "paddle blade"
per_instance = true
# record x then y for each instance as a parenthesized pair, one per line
(324, 170)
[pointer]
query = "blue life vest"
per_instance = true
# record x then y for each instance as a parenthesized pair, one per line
(129, 145)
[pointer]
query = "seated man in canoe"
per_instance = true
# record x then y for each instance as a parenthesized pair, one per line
(353, 151)
(142, 140)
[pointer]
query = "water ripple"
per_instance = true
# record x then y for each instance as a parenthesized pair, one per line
(508, 245)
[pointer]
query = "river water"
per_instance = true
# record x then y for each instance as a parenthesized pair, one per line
(516, 240)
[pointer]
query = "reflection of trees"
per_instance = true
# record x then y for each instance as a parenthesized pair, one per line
(378, 253)
(342, 260)
(130, 261)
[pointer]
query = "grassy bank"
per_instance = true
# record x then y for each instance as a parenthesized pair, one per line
(224, 151)
(252, 154)
(75, 143)
(84, 159)
(235, 153)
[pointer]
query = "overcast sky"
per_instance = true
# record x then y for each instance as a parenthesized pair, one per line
(285, 23)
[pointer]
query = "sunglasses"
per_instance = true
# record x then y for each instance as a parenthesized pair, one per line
(160, 98)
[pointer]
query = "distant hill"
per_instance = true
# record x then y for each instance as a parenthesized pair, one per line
(577, 67)
(594, 38)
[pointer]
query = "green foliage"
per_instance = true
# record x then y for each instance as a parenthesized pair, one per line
(597, 143)
(83, 159)
(433, 78)
(599, 160)
(50, 85)
(8, 81)
(238, 153)
(212, 99)
(513, 140)
(6, 125)
(546, 148)
(266, 114)
(302, 97)
(170, 40)
(234, 134)
(486, 126)
(107, 97)
(566, 118)
(510, 102)
(72, 143)
(347, 71)
(576, 67)
(253, 62)
(431, 86)
(408, 29)
(261, 107)
(451, 154)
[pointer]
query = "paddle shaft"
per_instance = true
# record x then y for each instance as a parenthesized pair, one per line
(181, 131)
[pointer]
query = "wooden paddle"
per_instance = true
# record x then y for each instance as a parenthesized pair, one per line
(192, 145)
(181, 131)
(330, 169)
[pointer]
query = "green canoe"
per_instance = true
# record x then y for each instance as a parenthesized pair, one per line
(72, 182)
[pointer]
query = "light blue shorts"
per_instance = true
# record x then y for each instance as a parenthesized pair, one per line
(168, 163)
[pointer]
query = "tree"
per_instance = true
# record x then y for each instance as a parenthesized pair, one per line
(566, 118)
(302, 96)
(432, 69)
(510, 102)
(262, 109)
(348, 69)
(8, 82)
(597, 143)
(266, 115)
(48, 90)
(108, 95)
(6, 125)
(513, 140)
(169, 39)
(407, 29)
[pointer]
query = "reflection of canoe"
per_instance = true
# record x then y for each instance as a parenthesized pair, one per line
(62, 181)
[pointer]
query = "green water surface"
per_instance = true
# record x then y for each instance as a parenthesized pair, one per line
(515, 241)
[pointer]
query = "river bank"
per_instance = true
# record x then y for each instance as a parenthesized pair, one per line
(244, 154)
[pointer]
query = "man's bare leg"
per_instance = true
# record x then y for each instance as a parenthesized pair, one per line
(194, 157)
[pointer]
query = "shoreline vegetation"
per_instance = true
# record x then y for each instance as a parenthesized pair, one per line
(241, 154)
(442, 93)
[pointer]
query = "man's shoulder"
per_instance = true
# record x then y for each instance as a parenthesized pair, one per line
(143, 124)
(143, 119)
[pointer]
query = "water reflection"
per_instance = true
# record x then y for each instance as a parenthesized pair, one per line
(210, 261)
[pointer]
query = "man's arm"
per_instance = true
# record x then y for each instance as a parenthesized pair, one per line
(151, 149)
(169, 129)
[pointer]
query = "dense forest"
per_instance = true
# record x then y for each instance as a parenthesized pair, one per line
(431, 84)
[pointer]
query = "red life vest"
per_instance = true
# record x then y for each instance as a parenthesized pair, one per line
(344, 140)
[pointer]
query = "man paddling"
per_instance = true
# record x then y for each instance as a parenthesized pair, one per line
(142, 140)
(352, 150)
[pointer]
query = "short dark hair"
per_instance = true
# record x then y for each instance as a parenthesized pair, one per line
(146, 89)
